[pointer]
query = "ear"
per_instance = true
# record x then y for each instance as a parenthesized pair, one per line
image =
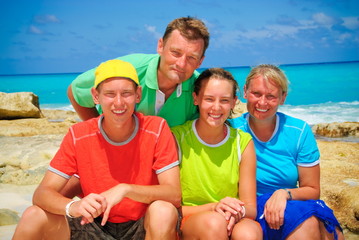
(95, 95)
(160, 46)
(195, 99)
(200, 61)
(245, 91)
(284, 96)
(234, 102)
(138, 94)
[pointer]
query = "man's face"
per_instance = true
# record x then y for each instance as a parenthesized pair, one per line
(179, 57)
(118, 98)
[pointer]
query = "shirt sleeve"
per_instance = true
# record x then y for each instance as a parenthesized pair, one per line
(64, 161)
(245, 138)
(81, 88)
(166, 156)
(308, 152)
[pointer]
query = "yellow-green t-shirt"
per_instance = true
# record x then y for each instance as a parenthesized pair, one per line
(209, 172)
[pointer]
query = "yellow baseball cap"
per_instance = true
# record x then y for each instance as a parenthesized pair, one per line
(115, 68)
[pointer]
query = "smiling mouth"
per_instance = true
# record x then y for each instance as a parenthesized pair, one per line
(215, 115)
(261, 110)
(118, 111)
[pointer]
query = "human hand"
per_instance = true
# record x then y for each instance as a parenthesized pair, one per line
(274, 209)
(229, 206)
(113, 196)
(88, 207)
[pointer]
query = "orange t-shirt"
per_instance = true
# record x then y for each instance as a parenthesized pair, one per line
(101, 163)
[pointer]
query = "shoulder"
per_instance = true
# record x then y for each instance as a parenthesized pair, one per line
(239, 122)
(151, 123)
(139, 60)
(243, 135)
(182, 129)
(291, 123)
(85, 128)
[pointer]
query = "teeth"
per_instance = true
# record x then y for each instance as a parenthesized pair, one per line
(118, 111)
(214, 116)
(261, 110)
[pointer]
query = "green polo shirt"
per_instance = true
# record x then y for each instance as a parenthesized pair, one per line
(177, 109)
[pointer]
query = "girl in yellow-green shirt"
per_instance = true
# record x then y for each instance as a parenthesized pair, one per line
(217, 165)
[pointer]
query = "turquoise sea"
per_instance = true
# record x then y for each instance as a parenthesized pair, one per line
(323, 92)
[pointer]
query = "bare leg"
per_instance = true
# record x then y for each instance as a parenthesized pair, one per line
(247, 229)
(325, 235)
(36, 223)
(161, 220)
(205, 225)
(309, 229)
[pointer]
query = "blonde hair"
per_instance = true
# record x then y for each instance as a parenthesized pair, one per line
(271, 73)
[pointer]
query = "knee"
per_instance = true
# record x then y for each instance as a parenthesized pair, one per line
(214, 222)
(162, 212)
(311, 223)
(33, 214)
(247, 229)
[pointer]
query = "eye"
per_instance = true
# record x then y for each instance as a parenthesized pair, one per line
(256, 94)
(176, 53)
(271, 97)
(127, 94)
(110, 94)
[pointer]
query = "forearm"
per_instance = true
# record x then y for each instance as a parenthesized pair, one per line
(50, 200)
(251, 211)
(190, 210)
(304, 193)
(83, 112)
(150, 193)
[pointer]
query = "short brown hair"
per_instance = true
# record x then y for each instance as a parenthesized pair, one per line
(190, 28)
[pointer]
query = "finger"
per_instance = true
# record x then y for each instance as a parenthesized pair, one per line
(105, 217)
(227, 215)
(230, 225)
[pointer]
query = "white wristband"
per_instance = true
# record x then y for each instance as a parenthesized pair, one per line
(244, 212)
(67, 208)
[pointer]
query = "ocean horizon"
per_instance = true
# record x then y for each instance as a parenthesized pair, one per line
(318, 92)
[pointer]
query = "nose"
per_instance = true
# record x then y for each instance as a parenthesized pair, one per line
(216, 105)
(118, 100)
(262, 100)
(181, 61)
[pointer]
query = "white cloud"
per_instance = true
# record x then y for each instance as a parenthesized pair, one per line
(343, 37)
(153, 31)
(42, 19)
(323, 19)
(351, 23)
(35, 30)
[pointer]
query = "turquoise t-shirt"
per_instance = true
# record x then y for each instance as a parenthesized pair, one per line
(291, 145)
(209, 172)
(177, 109)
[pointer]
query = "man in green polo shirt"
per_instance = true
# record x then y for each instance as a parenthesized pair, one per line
(166, 78)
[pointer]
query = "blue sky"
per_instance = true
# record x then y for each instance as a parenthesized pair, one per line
(74, 35)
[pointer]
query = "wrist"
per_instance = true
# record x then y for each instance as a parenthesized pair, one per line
(67, 208)
(289, 193)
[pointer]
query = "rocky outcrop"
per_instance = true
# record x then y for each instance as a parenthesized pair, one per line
(335, 130)
(31, 127)
(8, 217)
(24, 160)
(19, 105)
(239, 109)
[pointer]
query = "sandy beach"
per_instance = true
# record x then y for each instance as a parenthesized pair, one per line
(28, 145)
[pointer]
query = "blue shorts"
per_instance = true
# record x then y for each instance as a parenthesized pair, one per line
(296, 213)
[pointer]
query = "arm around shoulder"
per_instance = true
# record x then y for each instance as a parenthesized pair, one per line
(84, 113)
